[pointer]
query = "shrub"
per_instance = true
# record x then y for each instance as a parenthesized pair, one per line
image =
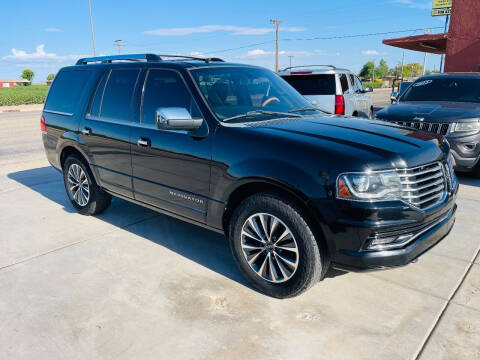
(19, 95)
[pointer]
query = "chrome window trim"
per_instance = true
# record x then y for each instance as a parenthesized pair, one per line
(58, 112)
(133, 124)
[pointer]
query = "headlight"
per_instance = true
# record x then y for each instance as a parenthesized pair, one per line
(375, 186)
(468, 126)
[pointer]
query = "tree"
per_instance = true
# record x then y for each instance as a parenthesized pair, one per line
(28, 75)
(381, 70)
(367, 70)
(50, 76)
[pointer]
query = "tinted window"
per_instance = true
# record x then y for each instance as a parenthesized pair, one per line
(97, 100)
(118, 94)
(352, 82)
(344, 82)
(444, 89)
(66, 90)
(312, 84)
(165, 88)
(358, 84)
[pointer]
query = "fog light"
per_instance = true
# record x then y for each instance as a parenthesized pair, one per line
(392, 242)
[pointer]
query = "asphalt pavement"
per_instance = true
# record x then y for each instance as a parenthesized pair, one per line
(132, 283)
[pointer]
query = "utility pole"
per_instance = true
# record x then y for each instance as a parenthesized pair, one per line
(91, 27)
(424, 63)
(373, 78)
(403, 59)
(277, 23)
(290, 57)
(118, 44)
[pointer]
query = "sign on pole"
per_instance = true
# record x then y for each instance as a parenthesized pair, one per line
(441, 7)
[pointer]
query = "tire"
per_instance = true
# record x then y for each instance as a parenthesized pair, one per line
(311, 260)
(90, 199)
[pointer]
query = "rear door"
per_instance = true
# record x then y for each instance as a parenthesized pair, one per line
(106, 129)
(171, 168)
(348, 94)
(319, 89)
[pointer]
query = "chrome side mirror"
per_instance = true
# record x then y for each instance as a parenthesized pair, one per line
(368, 89)
(176, 118)
(394, 96)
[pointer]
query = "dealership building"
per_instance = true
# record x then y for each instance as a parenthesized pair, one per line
(460, 44)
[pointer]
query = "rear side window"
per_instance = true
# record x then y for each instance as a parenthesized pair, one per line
(118, 92)
(66, 90)
(316, 84)
(343, 82)
(165, 88)
(97, 100)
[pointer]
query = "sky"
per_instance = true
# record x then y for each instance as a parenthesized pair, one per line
(46, 35)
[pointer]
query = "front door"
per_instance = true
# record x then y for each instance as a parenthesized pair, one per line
(106, 130)
(171, 169)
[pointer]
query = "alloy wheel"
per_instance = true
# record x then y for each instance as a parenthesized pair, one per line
(78, 185)
(269, 247)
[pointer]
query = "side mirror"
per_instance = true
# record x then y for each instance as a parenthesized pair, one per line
(176, 118)
(368, 89)
(394, 97)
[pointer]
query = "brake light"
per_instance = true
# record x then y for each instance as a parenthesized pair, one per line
(43, 126)
(339, 105)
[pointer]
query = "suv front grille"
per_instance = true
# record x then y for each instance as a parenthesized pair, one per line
(423, 186)
(436, 128)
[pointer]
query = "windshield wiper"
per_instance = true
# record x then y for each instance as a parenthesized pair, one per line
(306, 109)
(259, 113)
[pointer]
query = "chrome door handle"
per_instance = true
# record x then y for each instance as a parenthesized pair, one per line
(144, 142)
(86, 131)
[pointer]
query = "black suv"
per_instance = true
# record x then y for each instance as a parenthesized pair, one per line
(445, 104)
(236, 149)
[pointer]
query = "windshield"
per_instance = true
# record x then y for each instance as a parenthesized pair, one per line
(444, 89)
(234, 91)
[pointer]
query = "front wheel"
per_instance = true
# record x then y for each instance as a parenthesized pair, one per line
(82, 190)
(274, 246)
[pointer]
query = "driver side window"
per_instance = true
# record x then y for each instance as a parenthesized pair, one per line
(165, 88)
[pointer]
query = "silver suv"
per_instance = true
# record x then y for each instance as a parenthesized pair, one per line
(334, 90)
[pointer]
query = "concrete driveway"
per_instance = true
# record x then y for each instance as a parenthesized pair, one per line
(134, 284)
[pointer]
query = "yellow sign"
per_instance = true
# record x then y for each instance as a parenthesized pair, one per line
(441, 7)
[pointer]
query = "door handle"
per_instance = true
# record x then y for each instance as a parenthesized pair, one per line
(86, 131)
(144, 142)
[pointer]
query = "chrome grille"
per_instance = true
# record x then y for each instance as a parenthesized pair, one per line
(423, 186)
(436, 128)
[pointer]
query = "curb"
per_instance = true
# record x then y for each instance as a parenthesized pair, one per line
(15, 110)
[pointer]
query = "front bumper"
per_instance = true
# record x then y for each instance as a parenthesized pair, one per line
(349, 227)
(465, 150)
(376, 260)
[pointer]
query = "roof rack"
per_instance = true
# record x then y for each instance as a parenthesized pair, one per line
(207, 60)
(306, 66)
(127, 57)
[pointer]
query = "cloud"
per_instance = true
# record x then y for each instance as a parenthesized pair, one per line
(373, 52)
(39, 56)
(415, 4)
(52, 29)
(260, 53)
(236, 30)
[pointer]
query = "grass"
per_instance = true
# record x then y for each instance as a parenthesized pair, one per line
(19, 95)
(375, 85)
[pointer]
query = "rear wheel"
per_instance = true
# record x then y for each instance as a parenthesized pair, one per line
(274, 246)
(82, 190)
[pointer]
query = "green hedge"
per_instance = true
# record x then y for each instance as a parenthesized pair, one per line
(18, 95)
(374, 85)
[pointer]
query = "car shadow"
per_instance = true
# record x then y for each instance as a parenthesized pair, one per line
(205, 247)
(468, 179)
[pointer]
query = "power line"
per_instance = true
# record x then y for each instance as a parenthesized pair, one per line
(321, 38)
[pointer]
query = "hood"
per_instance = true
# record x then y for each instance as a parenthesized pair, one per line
(363, 141)
(435, 112)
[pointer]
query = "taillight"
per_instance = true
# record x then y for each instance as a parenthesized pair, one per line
(339, 105)
(43, 126)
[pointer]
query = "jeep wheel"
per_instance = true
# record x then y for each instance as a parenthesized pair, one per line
(274, 246)
(85, 195)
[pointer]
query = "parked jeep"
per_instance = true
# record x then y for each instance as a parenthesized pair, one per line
(237, 150)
